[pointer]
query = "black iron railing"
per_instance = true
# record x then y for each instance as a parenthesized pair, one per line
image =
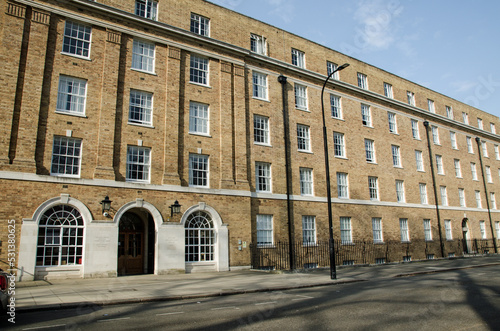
(305, 255)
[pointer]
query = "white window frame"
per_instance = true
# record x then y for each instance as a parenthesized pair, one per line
(493, 128)
(458, 168)
(303, 138)
(435, 135)
(431, 106)
(199, 118)
(362, 81)
(258, 44)
(493, 200)
(342, 185)
(484, 148)
(415, 131)
(263, 177)
(140, 108)
(366, 116)
(423, 193)
(449, 112)
(419, 160)
(400, 191)
(370, 151)
(77, 39)
(261, 130)
(427, 230)
(300, 96)
(473, 171)
(138, 162)
(143, 56)
(439, 164)
(306, 182)
(444, 195)
(461, 197)
(465, 118)
(393, 126)
(147, 9)
(199, 70)
(336, 106)
(71, 95)
(199, 170)
(497, 152)
(200, 25)
(264, 227)
(497, 229)
(479, 203)
(378, 234)
(330, 67)
(66, 157)
(487, 170)
(405, 233)
(339, 145)
(448, 230)
(470, 147)
(453, 139)
(388, 92)
(411, 98)
(345, 230)
(259, 81)
(480, 124)
(482, 229)
(298, 58)
(373, 188)
(396, 156)
(308, 230)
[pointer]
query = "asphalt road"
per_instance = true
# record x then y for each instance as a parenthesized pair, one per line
(467, 299)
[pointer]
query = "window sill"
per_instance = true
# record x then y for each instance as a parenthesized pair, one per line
(70, 114)
(303, 109)
(394, 133)
(368, 126)
(371, 162)
(144, 71)
(266, 246)
(199, 84)
(338, 118)
(86, 58)
(341, 157)
(200, 134)
(304, 151)
(141, 125)
(261, 99)
(262, 144)
(64, 176)
(137, 181)
(397, 166)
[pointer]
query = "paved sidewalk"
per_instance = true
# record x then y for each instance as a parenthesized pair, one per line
(39, 295)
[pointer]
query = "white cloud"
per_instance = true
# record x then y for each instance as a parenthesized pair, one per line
(462, 86)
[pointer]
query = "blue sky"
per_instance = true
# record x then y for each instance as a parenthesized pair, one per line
(450, 46)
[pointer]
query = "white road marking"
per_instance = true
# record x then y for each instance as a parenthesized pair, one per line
(265, 303)
(303, 297)
(173, 313)
(220, 308)
(114, 319)
(45, 327)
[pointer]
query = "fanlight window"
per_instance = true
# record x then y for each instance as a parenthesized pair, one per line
(200, 237)
(60, 237)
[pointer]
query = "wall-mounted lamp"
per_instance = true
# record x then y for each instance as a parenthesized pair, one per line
(106, 206)
(175, 208)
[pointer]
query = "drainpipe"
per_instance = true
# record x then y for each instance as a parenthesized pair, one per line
(434, 186)
(478, 141)
(282, 80)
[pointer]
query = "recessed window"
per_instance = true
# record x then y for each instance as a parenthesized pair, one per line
(427, 230)
(461, 197)
(345, 230)
(423, 193)
(484, 148)
(493, 200)
(342, 185)
(411, 98)
(76, 39)
(338, 144)
(366, 116)
(482, 228)
(200, 25)
(259, 85)
(71, 95)
(147, 9)
(373, 188)
(199, 237)
(393, 127)
(400, 191)
(435, 134)
(300, 97)
(198, 118)
(303, 138)
(444, 196)
(470, 148)
(264, 230)
(263, 177)
(66, 157)
(362, 81)
(449, 112)
(405, 234)
(308, 230)
(419, 160)
(298, 58)
(430, 106)
(388, 90)
(497, 152)
(447, 230)
(198, 170)
(396, 156)
(478, 199)
(331, 67)
(306, 181)
(198, 72)
(261, 129)
(458, 168)
(138, 164)
(493, 128)
(439, 165)
(377, 230)
(143, 56)
(414, 129)
(453, 139)
(370, 150)
(465, 117)
(473, 170)
(140, 107)
(258, 44)
(487, 170)
(480, 123)
(336, 106)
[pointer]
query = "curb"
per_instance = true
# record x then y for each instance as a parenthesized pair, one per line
(417, 273)
(178, 297)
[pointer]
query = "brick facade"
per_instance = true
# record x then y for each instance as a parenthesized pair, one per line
(32, 62)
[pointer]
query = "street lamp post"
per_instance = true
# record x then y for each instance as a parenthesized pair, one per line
(333, 272)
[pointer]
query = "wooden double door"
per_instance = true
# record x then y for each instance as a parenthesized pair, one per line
(131, 245)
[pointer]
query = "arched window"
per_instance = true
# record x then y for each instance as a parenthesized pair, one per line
(200, 237)
(60, 237)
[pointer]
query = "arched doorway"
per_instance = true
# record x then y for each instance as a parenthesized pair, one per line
(466, 237)
(136, 238)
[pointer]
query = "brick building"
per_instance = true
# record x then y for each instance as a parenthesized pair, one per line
(153, 102)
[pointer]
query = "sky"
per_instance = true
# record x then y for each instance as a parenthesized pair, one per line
(449, 46)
